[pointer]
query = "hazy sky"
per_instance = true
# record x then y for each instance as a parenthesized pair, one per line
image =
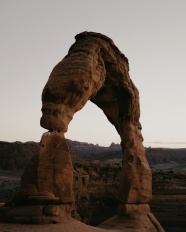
(36, 35)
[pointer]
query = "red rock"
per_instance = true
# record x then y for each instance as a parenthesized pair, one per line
(94, 69)
(50, 171)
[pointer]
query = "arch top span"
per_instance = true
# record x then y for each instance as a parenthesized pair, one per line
(95, 69)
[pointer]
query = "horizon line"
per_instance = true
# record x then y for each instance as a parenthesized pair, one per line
(166, 142)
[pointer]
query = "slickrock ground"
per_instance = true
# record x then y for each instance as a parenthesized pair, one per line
(63, 227)
(115, 224)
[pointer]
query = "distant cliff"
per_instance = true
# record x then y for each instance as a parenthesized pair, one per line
(14, 156)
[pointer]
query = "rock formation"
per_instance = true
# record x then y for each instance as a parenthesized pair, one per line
(94, 69)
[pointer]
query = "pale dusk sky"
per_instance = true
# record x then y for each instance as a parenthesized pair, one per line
(36, 35)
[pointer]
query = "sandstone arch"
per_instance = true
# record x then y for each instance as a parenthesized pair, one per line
(94, 69)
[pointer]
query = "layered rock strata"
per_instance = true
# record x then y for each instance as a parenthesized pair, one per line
(94, 69)
(46, 193)
(50, 172)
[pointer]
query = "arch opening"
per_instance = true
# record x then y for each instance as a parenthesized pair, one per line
(90, 125)
(94, 69)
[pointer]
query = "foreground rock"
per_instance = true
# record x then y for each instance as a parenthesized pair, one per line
(116, 224)
(94, 188)
(131, 218)
(46, 193)
(94, 69)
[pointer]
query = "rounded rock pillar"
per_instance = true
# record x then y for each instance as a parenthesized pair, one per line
(50, 170)
(46, 193)
(135, 179)
(55, 170)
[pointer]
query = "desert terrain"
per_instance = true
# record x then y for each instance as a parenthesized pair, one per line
(95, 192)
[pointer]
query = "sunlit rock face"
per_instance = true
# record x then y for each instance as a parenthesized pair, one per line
(50, 172)
(94, 69)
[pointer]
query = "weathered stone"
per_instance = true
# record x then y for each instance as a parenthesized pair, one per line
(49, 176)
(131, 209)
(134, 223)
(51, 210)
(55, 172)
(37, 214)
(94, 69)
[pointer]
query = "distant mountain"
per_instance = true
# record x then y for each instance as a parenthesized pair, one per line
(167, 158)
(14, 156)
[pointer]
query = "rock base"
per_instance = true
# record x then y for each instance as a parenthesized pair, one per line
(133, 209)
(36, 214)
(130, 218)
(133, 217)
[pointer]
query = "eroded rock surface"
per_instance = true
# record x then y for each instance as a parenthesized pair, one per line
(48, 177)
(94, 69)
